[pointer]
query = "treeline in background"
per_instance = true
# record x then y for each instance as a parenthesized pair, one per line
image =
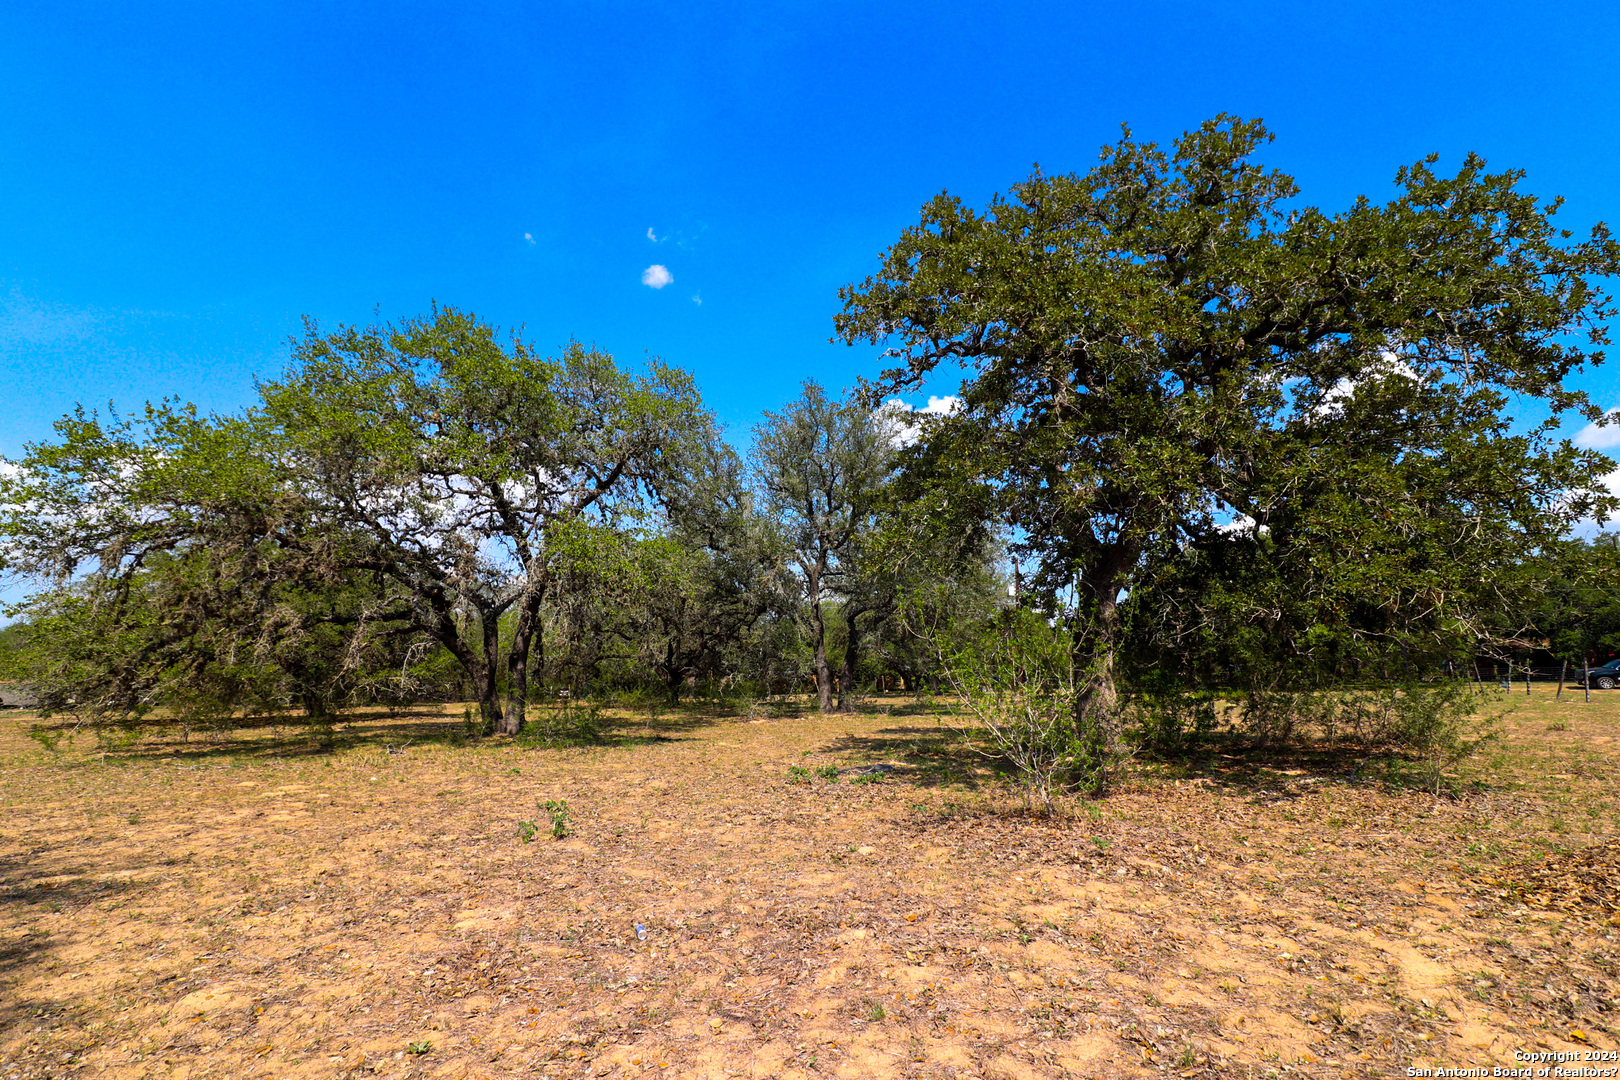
(1220, 464)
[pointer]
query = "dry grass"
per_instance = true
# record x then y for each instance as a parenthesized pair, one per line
(259, 907)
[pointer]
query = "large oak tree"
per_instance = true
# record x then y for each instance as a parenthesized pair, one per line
(1172, 338)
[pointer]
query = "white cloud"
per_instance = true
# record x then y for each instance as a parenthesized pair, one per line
(1242, 525)
(650, 235)
(697, 298)
(1332, 403)
(904, 432)
(529, 237)
(1588, 527)
(656, 276)
(1604, 437)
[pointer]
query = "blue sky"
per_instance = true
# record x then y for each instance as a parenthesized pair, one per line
(180, 183)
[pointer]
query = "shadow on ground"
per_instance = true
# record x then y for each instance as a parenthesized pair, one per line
(28, 888)
(938, 756)
(931, 757)
(382, 731)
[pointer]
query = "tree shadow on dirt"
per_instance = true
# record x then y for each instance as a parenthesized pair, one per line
(291, 738)
(30, 889)
(930, 757)
(940, 757)
(1285, 771)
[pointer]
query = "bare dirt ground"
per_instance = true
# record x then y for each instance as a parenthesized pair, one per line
(260, 907)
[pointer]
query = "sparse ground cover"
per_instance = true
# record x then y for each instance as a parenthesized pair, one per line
(262, 907)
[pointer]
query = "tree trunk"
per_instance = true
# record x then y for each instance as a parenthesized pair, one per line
(480, 669)
(517, 691)
(846, 673)
(485, 677)
(823, 669)
(524, 631)
(672, 675)
(1096, 703)
(489, 705)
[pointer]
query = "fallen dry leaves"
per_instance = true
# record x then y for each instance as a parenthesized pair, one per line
(257, 908)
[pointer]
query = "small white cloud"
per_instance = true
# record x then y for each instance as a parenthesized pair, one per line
(697, 299)
(1242, 525)
(1589, 527)
(901, 430)
(1601, 435)
(650, 235)
(529, 237)
(1332, 403)
(656, 276)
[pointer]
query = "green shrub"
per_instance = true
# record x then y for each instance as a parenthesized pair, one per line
(1018, 683)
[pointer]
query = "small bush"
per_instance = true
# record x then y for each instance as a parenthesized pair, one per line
(558, 809)
(1433, 724)
(1018, 682)
(48, 738)
(1171, 722)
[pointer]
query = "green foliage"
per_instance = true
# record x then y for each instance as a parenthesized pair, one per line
(798, 774)
(1170, 722)
(821, 466)
(1440, 725)
(574, 724)
(400, 491)
(473, 727)
(1016, 678)
(1172, 340)
(13, 644)
(1430, 727)
(557, 810)
(49, 738)
(828, 773)
(527, 831)
(479, 475)
(1575, 604)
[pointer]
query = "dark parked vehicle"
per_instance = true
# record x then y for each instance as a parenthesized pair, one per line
(1606, 677)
